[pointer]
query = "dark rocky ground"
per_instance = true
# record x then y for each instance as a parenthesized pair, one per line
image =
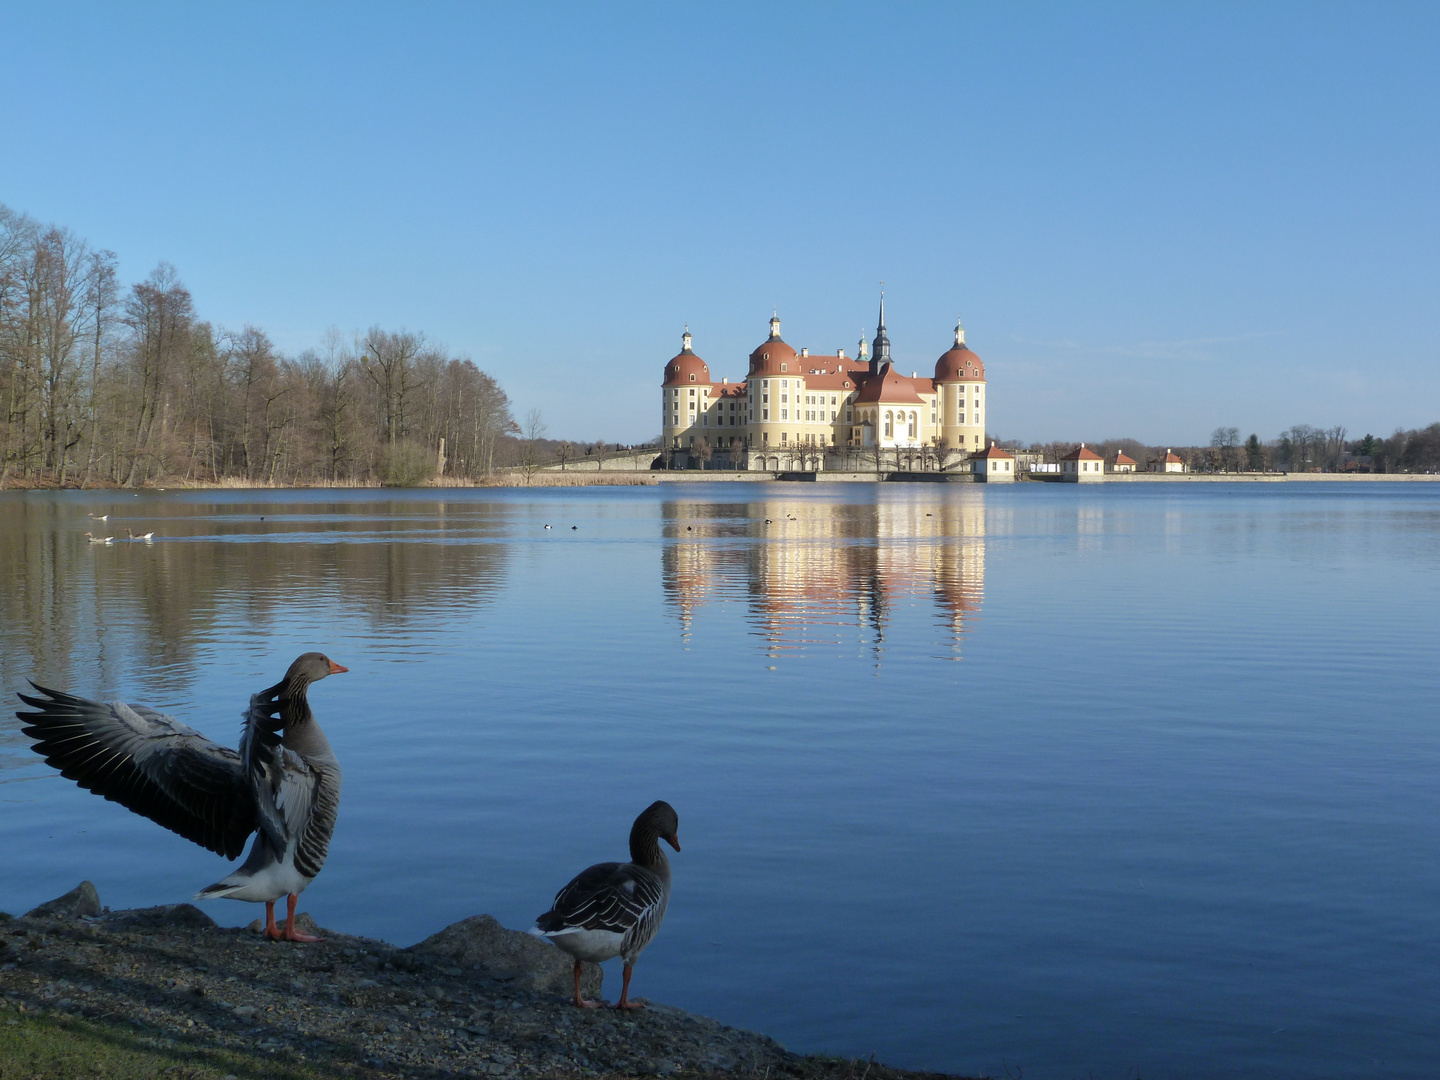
(474, 1000)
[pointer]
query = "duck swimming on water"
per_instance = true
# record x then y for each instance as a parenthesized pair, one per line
(283, 784)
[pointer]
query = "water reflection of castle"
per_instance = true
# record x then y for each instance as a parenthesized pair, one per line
(807, 570)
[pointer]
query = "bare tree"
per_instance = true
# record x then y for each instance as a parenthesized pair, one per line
(389, 359)
(101, 296)
(158, 313)
(1225, 441)
(531, 433)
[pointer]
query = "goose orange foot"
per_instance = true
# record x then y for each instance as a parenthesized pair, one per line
(625, 1002)
(274, 933)
(580, 1002)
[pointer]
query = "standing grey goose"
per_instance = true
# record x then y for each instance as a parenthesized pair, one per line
(285, 788)
(615, 909)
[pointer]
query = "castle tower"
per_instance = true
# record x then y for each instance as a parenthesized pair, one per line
(960, 395)
(881, 355)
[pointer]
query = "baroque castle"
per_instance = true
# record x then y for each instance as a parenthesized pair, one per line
(802, 411)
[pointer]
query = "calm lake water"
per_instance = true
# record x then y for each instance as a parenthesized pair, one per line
(1133, 779)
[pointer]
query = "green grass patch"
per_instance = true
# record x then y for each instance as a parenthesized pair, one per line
(62, 1048)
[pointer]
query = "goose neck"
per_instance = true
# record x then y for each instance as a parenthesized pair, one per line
(645, 849)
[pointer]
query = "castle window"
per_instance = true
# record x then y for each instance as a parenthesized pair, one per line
(692, 379)
(782, 367)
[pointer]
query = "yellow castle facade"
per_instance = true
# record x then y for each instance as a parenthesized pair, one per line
(800, 411)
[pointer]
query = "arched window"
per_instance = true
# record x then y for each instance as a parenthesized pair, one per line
(889, 424)
(912, 425)
(692, 376)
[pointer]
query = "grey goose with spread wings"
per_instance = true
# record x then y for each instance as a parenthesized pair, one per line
(283, 784)
(615, 909)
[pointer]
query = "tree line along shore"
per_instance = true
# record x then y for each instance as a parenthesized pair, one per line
(103, 385)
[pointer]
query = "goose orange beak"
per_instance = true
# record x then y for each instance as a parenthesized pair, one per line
(673, 840)
(336, 669)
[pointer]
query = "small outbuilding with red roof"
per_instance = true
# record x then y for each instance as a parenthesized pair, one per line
(993, 466)
(1082, 466)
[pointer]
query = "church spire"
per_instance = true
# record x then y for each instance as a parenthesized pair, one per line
(685, 340)
(959, 332)
(881, 350)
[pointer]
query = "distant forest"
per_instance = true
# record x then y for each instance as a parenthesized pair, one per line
(1301, 448)
(102, 384)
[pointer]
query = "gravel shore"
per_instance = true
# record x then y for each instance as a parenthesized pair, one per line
(474, 1000)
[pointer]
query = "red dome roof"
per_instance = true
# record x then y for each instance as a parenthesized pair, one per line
(766, 359)
(686, 368)
(957, 364)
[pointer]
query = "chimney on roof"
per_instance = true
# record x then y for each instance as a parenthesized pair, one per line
(725, 381)
(840, 354)
(804, 352)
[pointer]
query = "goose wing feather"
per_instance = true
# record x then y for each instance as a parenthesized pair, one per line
(608, 896)
(147, 762)
(263, 758)
(296, 800)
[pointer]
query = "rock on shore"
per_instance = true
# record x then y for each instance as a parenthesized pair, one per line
(473, 1000)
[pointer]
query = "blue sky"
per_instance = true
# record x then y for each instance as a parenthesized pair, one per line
(1155, 219)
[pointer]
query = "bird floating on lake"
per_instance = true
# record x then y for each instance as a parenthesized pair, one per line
(143, 536)
(283, 785)
(547, 526)
(574, 527)
(99, 517)
(98, 539)
(615, 909)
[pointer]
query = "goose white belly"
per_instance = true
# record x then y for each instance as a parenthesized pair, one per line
(261, 884)
(591, 945)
